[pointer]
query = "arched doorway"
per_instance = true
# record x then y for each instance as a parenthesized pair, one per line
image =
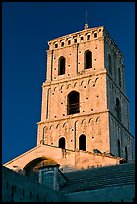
(32, 168)
(62, 143)
(62, 64)
(88, 59)
(82, 142)
(73, 103)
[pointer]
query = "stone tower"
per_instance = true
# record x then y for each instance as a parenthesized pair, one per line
(84, 106)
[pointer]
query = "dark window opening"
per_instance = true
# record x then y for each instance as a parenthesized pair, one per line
(126, 154)
(81, 38)
(119, 77)
(82, 142)
(88, 59)
(23, 192)
(62, 63)
(56, 45)
(30, 195)
(62, 44)
(118, 143)
(95, 35)
(88, 37)
(118, 109)
(69, 42)
(75, 40)
(62, 143)
(109, 64)
(73, 103)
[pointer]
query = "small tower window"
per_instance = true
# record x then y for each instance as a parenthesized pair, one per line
(82, 142)
(69, 42)
(56, 45)
(88, 37)
(75, 40)
(62, 64)
(73, 103)
(109, 64)
(95, 35)
(62, 143)
(118, 144)
(82, 38)
(88, 59)
(119, 77)
(62, 44)
(118, 109)
(126, 154)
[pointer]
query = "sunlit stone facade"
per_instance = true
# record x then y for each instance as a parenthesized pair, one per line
(84, 106)
(84, 124)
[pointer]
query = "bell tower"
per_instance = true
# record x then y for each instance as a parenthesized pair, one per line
(84, 106)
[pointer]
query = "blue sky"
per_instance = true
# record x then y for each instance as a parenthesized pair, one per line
(26, 29)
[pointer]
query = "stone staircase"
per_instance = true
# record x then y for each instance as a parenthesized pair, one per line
(95, 178)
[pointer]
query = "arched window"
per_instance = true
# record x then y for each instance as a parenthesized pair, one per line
(118, 109)
(126, 154)
(109, 64)
(119, 77)
(73, 103)
(61, 64)
(118, 144)
(88, 59)
(82, 142)
(62, 142)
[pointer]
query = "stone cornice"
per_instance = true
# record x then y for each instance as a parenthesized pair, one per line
(84, 76)
(113, 45)
(85, 31)
(121, 124)
(76, 116)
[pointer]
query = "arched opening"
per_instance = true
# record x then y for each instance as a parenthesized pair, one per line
(62, 64)
(73, 103)
(38, 170)
(109, 64)
(118, 144)
(62, 143)
(126, 154)
(119, 77)
(118, 109)
(82, 142)
(32, 168)
(88, 59)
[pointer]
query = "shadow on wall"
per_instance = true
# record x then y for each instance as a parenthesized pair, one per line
(19, 188)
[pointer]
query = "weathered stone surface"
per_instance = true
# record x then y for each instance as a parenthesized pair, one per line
(99, 87)
(19, 188)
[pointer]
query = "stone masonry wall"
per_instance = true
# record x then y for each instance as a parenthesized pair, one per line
(119, 129)
(116, 194)
(65, 158)
(18, 188)
(90, 83)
